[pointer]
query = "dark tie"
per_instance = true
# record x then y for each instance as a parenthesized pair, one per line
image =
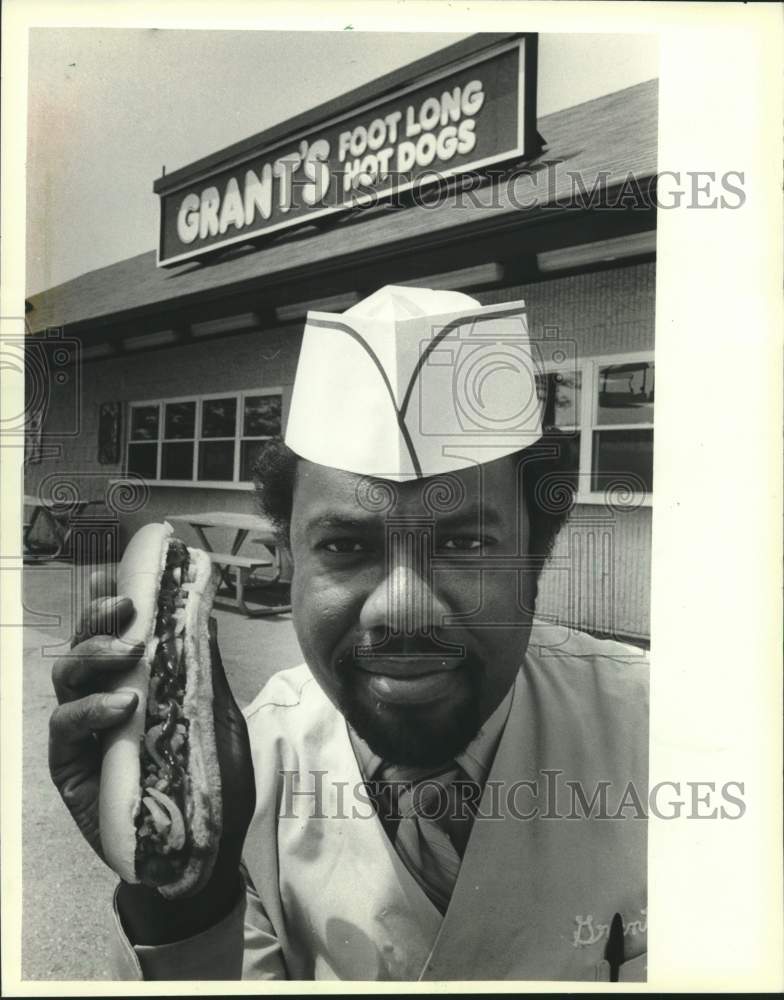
(424, 813)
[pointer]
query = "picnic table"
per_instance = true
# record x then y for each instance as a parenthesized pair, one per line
(59, 516)
(244, 565)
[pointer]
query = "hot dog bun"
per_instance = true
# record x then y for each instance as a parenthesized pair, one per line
(139, 577)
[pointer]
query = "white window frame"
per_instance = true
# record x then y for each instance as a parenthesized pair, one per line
(589, 376)
(240, 395)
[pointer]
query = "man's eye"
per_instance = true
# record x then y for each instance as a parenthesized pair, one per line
(463, 543)
(343, 546)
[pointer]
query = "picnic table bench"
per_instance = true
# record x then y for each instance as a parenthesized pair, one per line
(59, 517)
(244, 566)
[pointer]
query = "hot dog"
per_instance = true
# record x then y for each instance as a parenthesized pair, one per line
(160, 797)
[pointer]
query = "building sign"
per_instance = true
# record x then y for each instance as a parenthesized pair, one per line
(466, 116)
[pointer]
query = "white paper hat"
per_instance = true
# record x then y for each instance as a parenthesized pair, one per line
(413, 382)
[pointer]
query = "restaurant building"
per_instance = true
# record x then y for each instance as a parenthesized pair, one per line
(165, 373)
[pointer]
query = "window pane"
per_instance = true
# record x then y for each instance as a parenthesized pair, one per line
(626, 394)
(143, 459)
(180, 420)
(569, 455)
(144, 423)
(218, 417)
(216, 460)
(559, 394)
(177, 461)
(249, 454)
(621, 456)
(262, 416)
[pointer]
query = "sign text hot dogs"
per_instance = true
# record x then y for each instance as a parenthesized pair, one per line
(464, 117)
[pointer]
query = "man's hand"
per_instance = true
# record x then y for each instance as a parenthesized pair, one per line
(85, 710)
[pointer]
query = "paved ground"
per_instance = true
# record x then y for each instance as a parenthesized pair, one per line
(67, 891)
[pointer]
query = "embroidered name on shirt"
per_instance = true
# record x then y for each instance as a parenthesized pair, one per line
(589, 931)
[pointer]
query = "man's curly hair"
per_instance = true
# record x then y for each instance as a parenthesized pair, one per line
(548, 485)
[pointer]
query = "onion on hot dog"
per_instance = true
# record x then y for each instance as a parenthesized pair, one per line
(160, 804)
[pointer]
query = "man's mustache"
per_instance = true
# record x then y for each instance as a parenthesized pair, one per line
(419, 645)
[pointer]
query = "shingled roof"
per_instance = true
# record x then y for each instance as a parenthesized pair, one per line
(603, 140)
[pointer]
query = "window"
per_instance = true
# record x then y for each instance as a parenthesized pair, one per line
(205, 439)
(622, 444)
(261, 420)
(559, 392)
(179, 440)
(606, 407)
(143, 443)
(218, 431)
(560, 395)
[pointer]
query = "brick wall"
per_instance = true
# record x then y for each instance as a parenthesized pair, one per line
(605, 312)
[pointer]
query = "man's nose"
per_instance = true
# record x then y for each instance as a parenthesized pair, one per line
(404, 602)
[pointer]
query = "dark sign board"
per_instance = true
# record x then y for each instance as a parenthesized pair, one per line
(464, 116)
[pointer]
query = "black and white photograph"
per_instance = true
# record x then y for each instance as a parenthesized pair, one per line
(338, 517)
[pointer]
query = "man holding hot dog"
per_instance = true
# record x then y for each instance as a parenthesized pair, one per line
(446, 789)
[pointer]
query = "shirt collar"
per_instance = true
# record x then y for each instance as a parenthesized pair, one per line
(476, 760)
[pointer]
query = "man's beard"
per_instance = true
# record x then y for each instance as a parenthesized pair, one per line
(410, 735)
